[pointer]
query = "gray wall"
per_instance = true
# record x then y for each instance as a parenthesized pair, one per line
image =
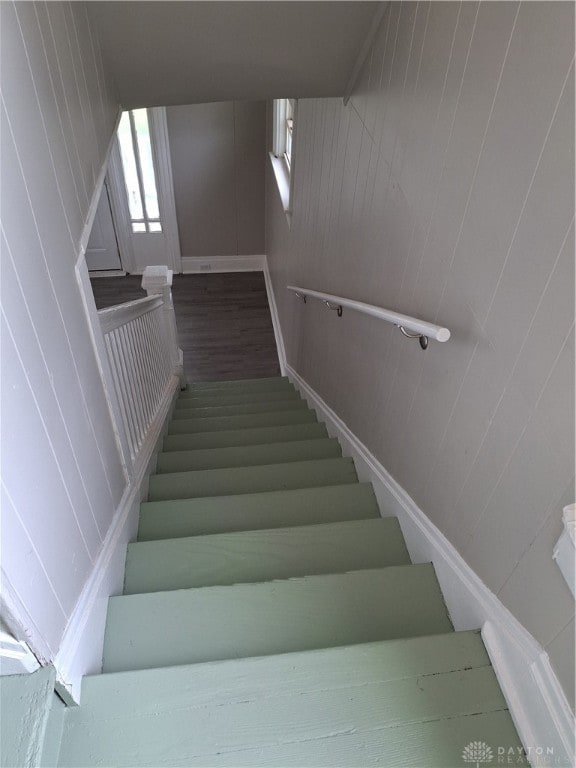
(194, 52)
(445, 190)
(218, 162)
(62, 477)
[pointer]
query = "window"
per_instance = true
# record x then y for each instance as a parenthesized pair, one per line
(282, 154)
(283, 129)
(139, 174)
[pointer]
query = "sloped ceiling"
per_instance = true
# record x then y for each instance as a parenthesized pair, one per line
(164, 53)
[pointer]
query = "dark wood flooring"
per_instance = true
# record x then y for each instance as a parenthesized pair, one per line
(224, 324)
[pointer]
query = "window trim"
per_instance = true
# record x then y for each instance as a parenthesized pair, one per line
(146, 221)
(282, 164)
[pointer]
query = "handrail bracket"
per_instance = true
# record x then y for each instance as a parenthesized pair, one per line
(336, 307)
(423, 339)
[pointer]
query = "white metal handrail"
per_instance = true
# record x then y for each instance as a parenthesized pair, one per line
(143, 356)
(412, 327)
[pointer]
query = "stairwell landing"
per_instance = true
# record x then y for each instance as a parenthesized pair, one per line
(270, 615)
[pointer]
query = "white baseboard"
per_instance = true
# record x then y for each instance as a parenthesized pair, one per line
(205, 264)
(537, 703)
(275, 317)
(82, 645)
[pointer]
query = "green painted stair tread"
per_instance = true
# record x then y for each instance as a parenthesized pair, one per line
(248, 455)
(242, 421)
(238, 385)
(255, 511)
(239, 398)
(362, 663)
(240, 437)
(252, 556)
(434, 743)
(208, 714)
(195, 625)
(238, 410)
(238, 480)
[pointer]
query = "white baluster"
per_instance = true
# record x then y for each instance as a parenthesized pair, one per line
(118, 389)
(124, 387)
(140, 342)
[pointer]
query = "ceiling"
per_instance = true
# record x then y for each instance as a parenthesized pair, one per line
(164, 53)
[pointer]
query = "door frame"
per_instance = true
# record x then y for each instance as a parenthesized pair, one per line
(105, 190)
(165, 185)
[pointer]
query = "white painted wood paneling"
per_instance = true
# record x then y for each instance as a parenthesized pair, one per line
(445, 190)
(62, 474)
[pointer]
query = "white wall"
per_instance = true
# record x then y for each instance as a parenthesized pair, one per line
(445, 190)
(62, 478)
(218, 156)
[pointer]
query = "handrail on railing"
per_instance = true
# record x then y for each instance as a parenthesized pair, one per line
(120, 314)
(412, 327)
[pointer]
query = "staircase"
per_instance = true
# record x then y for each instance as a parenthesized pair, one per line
(271, 617)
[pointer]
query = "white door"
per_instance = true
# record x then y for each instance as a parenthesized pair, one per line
(143, 191)
(102, 250)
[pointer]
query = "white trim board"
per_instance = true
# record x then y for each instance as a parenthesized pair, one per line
(537, 703)
(204, 264)
(16, 658)
(82, 645)
(280, 349)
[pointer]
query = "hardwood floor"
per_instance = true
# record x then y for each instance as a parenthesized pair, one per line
(224, 324)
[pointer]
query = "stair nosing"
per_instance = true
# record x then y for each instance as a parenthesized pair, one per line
(264, 531)
(329, 441)
(257, 493)
(300, 405)
(290, 579)
(269, 414)
(347, 459)
(323, 434)
(250, 660)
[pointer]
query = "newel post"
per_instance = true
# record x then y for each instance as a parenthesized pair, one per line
(157, 281)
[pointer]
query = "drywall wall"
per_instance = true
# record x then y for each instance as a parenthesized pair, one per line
(194, 52)
(444, 190)
(218, 156)
(62, 478)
